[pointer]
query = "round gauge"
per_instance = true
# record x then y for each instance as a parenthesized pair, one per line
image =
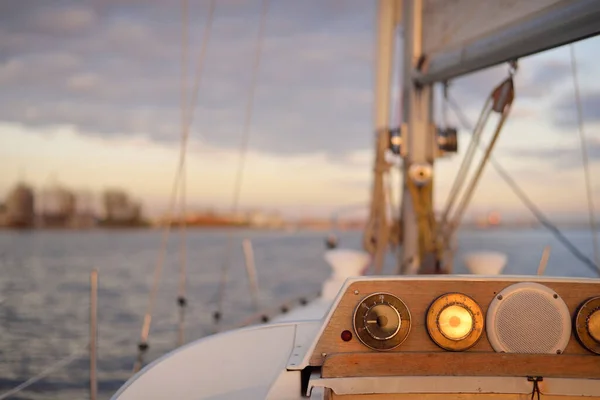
(593, 325)
(587, 325)
(381, 321)
(455, 321)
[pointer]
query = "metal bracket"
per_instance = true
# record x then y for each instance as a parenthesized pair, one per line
(305, 334)
(447, 140)
(395, 140)
(398, 140)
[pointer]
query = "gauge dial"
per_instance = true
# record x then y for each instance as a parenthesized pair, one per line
(381, 321)
(593, 325)
(455, 321)
(587, 325)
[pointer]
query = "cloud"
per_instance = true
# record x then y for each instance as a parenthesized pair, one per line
(83, 82)
(63, 21)
(565, 157)
(112, 69)
(538, 77)
(564, 110)
(542, 80)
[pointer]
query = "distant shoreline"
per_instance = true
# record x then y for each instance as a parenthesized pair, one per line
(288, 229)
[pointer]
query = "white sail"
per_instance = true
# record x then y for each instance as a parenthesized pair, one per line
(463, 36)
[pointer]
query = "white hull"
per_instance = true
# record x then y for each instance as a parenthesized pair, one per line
(249, 363)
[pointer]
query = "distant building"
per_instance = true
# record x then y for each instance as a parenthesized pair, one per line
(260, 219)
(58, 207)
(84, 214)
(20, 207)
(494, 218)
(119, 209)
(3, 221)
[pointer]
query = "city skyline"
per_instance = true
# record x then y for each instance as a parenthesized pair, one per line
(100, 109)
(55, 204)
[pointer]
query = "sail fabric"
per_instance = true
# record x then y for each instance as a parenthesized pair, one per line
(462, 36)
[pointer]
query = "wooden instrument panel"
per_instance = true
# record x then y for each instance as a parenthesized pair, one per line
(419, 355)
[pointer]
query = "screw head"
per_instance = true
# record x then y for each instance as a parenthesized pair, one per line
(499, 297)
(356, 292)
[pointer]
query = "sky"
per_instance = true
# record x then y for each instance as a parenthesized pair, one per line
(90, 98)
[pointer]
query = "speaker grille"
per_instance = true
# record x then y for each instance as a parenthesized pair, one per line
(528, 318)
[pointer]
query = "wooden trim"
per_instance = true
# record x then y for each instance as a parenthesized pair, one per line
(460, 364)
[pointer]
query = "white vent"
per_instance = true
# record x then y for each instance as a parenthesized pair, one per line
(528, 318)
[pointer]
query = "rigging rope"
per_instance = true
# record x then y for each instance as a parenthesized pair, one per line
(377, 230)
(537, 213)
(584, 156)
(181, 298)
(243, 150)
(466, 162)
(143, 345)
(59, 364)
(394, 212)
(499, 101)
(63, 362)
(502, 101)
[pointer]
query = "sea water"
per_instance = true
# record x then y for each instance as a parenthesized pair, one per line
(44, 291)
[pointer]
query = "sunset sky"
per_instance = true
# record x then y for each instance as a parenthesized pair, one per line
(90, 98)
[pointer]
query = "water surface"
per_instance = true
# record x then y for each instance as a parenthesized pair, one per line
(44, 284)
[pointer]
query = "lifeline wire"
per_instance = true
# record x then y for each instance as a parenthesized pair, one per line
(585, 159)
(243, 150)
(181, 298)
(143, 345)
(63, 362)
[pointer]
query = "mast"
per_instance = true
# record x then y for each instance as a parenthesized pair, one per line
(417, 145)
(376, 238)
(418, 148)
(461, 36)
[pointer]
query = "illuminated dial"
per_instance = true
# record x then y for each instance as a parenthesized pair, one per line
(587, 325)
(593, 325)
(381, 321)
(455, 321)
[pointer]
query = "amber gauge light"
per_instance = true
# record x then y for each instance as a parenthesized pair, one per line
(587, 325)
(381, 321)
(455, 321)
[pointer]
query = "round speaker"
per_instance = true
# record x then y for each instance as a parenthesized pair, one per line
(528, 318)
